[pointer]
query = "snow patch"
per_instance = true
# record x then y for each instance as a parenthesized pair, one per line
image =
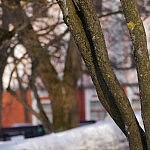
(104, 135)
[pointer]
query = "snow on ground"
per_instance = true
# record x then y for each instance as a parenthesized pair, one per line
(103, 135)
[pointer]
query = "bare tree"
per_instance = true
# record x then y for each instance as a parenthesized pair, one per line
(80, 17)
(62, 90)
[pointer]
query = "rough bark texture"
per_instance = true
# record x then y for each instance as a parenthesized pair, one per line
(84, 26)
(141, 57)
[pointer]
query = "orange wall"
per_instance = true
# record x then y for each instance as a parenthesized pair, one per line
(12, 110)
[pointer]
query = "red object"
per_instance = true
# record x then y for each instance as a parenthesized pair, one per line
(81, 104)
(13, 111)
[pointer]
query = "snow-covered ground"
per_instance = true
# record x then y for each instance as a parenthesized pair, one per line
(103, 135)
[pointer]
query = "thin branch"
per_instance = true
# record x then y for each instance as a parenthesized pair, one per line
(111, 13)
(13, 93)
(141, 57)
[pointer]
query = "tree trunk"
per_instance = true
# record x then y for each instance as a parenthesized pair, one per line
(141, 58)
(50, 79)
(46, 69)
(84, 25)
(64, 106)
(1, 93)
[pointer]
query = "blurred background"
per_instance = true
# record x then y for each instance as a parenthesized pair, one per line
(44, 84)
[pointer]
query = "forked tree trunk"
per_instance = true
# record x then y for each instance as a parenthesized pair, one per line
(52, 83)
(84, 25)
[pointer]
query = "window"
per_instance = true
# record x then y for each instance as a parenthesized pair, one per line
(97, 112)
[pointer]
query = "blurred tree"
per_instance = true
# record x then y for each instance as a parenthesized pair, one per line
(20, 20)
(83, 23)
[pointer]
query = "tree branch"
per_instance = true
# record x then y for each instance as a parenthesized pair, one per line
(72, 70)
(85, 28)
(13, 93)
(141, 56)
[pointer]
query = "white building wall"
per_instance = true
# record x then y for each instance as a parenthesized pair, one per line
(93, 108)
(46, 106)
(88, 94)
